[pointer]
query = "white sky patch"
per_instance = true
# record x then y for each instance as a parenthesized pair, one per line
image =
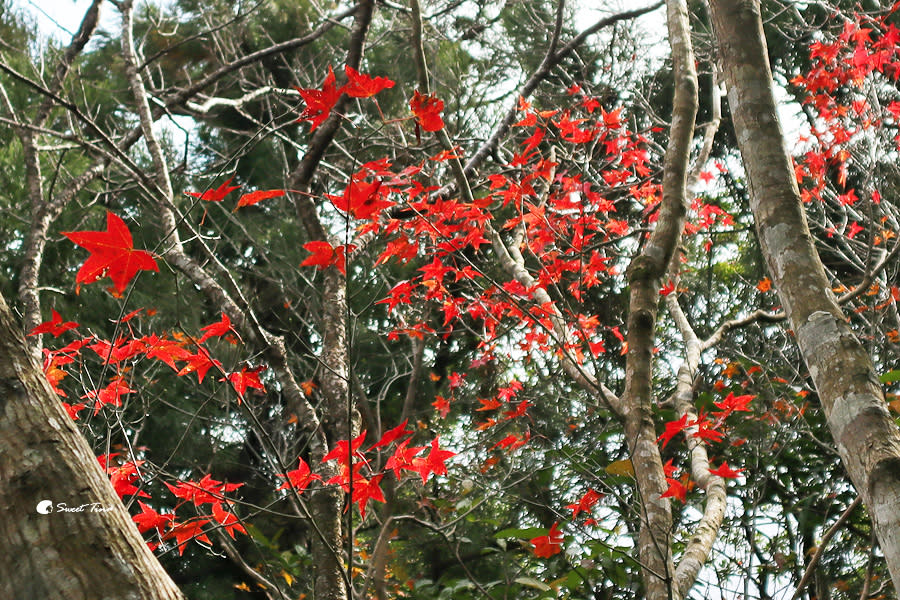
(59, 19)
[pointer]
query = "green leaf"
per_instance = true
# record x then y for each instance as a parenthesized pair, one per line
(527, 533)
(890, 377)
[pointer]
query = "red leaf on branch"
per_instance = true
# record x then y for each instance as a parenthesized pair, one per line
(391, 435)
(216, 329)
(123, 477)
(546, 546)
(166, 350)
(244, 379)
(341, 451)
(149, 519)
(258, 196)
(54, 326)
(300, 478)
(403, 458)
(200, 363)
(205, 491)
(229, 522)
(111, 394)
(442, 406)
(586, 503)
(428, 111)
(215, 195)
(325, 255)
(731, 404)
(190, 530)
(360, 85)
(433, 463)
(673, 428)
(319, 102)
(112, 254)
(365, 490)
(676, 490)
(725, 471)
(360, 199)
(488, 404)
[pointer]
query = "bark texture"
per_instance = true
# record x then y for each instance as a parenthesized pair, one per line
(848, 387)
(91, 554)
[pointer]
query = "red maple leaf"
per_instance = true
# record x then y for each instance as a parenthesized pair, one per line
(428, 111)
(676, 490)
(586, 503)
(71, 409)
(149, 519)
(673, 428)
(244, 379)
(731, 404)
(187, 531)
(229, 522)
(433, 463)
(54, 326)
(341, 451)
(123, 477)
(403, 458)
(200, 363)
(300, 478)
(215, 195)
(325, 255)
(365, 490)
(319, 102)
(442, 406)
(205, 491)
(112, 254)
(512, 442)
(111, 394)
(391, 435)
(360, 85)
(361, 200)
(706, 431)
(546, 546)
(165, 350)
(258, 196)
(488, 404)
(216, 329)
(725, 471)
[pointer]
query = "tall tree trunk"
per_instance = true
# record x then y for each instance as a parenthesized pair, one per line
(848, 387)
(644, 278)
(94, 553)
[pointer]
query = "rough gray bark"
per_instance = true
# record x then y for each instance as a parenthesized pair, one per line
(66, 555)
(867, 438)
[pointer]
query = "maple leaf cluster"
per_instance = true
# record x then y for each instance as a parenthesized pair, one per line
(175, 352)
(320, 101)
(355, 474)
(165, 526)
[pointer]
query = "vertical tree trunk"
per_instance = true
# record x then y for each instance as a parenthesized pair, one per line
(94, 553)
(866, 436)
(644, 278)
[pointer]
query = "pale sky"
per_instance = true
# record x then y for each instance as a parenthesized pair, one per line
(60, 18)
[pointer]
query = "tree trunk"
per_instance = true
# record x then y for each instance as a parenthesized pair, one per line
(848, 387)
(94, 553)
(644, 276)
